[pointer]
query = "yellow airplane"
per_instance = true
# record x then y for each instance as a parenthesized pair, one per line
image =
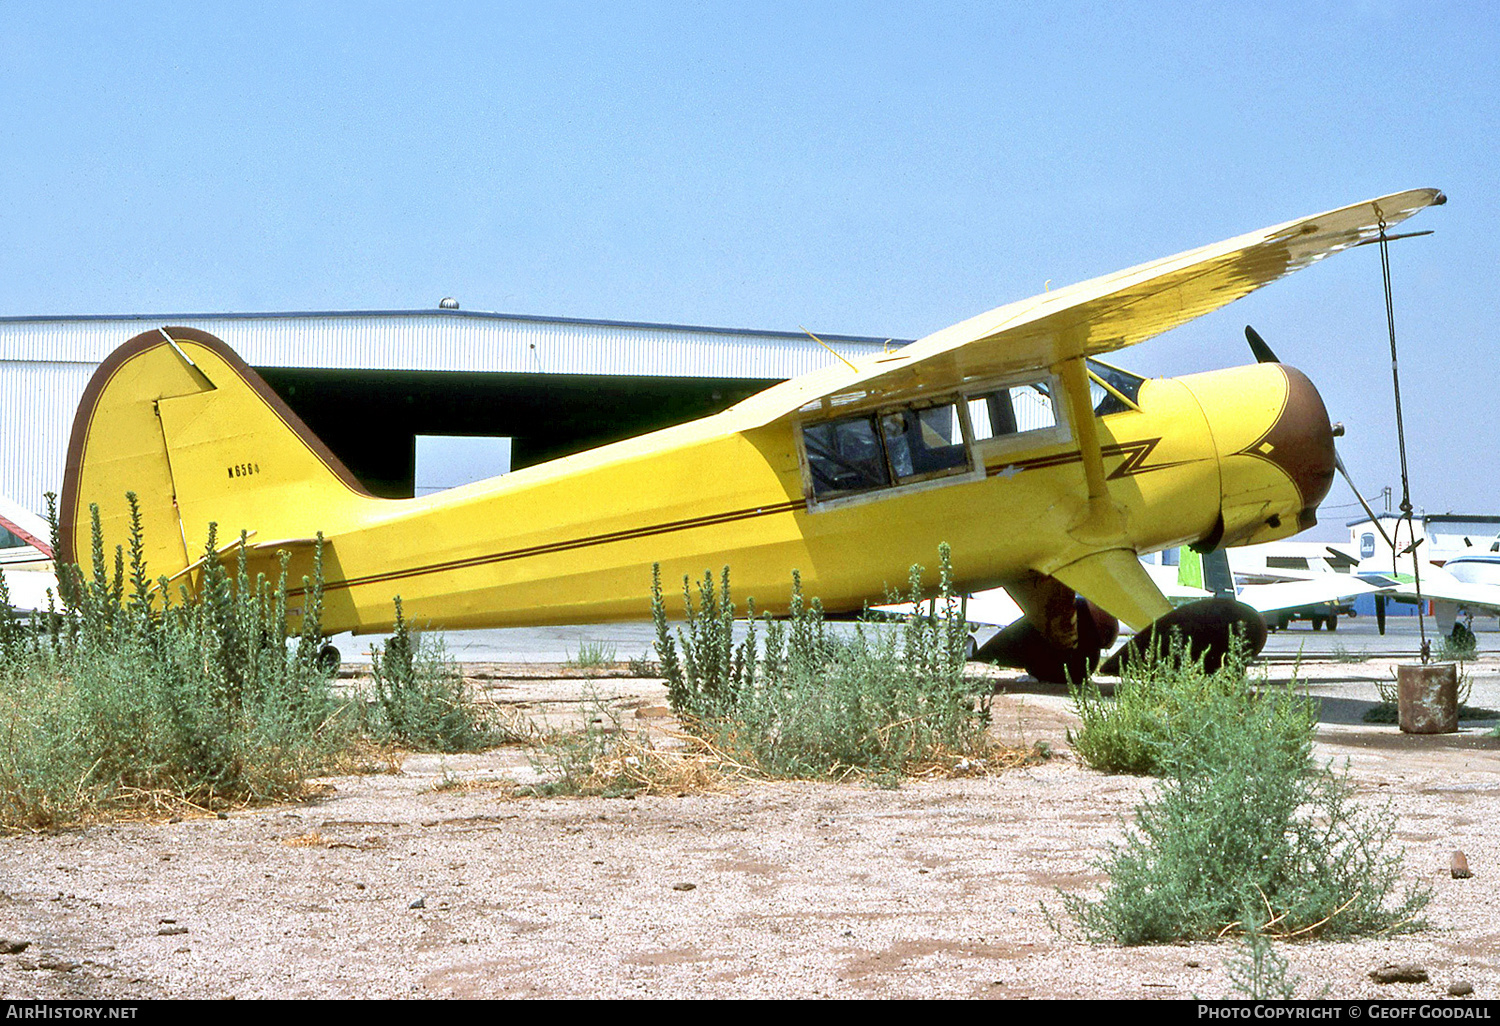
(1047, 471)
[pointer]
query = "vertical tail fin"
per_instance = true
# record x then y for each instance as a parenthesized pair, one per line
(176, 417)
(1209, 571)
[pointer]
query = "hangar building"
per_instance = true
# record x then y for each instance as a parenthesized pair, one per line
(381, 387)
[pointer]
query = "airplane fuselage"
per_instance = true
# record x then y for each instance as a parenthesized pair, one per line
(573, 541)
(851, 496)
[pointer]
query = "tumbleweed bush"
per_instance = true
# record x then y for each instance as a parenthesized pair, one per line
(1164, 700)
(1242, 818)
(421, 698)
(123, 697)
(809, 702)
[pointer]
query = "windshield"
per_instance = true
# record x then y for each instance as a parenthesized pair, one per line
(1126, 384)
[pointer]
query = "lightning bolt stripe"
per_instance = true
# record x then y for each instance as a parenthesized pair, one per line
(1133, 460)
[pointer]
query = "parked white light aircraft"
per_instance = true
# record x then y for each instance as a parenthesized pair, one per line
(1464, 584)
(1465, 587)
(997, 632)
(1483, 570)
(1475, 589)
(1275, 598)
(23, 534)
(25, 557)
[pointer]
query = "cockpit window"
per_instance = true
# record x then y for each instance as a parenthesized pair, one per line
(1012, 411)
(930, 440)
(1124, 383)
(876, 450)
(925, 443)
(845, 456)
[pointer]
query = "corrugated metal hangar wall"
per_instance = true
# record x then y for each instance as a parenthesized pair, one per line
(369, 382)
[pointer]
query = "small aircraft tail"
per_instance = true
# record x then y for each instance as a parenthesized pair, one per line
(177, 418)
(1208, 571)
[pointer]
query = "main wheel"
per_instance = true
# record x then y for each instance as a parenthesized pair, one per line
(330, 659)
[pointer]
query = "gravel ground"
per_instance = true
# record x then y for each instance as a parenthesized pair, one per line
(404, 885)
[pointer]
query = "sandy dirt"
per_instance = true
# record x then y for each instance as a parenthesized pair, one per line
(432, 883)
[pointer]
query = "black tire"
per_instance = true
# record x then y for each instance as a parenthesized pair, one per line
(330, 659)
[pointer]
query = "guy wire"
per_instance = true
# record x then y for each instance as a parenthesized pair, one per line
(1406, 508)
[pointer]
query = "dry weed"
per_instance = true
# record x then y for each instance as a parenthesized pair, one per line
(308, 840)
(510, 726)
(362, 756)
(611, 762)
(698, 768)
(316, 839)
(990, 760)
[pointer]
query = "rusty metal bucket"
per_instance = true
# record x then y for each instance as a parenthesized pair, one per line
(1427, 698)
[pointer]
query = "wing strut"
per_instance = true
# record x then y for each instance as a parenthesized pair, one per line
(1102, 525)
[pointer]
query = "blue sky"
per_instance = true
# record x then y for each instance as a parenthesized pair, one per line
(881, 169)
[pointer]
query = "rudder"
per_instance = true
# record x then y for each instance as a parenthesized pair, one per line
(175, 416)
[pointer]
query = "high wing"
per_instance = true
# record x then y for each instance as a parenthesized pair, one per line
(1057, 331)
(1092, 317)
(1439, 586)
(1288, 595)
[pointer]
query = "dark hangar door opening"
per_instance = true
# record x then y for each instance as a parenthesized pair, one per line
(370, 419)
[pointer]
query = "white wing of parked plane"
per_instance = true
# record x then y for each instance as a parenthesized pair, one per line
(1449, 595)
(1303, 587)
(1284, 596)
(992, 608)
(1167, 578)
(29, 588)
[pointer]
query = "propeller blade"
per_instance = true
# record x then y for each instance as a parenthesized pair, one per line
(1258, 346)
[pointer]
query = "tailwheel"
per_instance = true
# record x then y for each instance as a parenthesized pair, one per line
(1207, 628)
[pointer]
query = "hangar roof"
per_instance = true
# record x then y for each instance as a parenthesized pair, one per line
(46, 362)
(439, 339)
